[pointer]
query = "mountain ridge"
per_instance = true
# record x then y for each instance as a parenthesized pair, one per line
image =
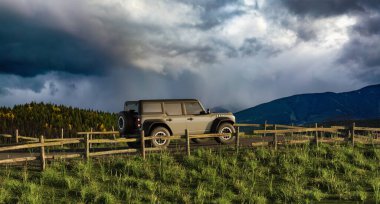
(305, 108)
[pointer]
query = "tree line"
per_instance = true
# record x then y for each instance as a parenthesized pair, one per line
(34, 119)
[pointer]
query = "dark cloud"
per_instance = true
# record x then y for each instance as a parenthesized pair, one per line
(306, 31)
(362, 52)
(368, 25)
(53, 88)
(13, 82)
(28, 47)
(251, 46)
(90, 39)
(99, 53)
(255, 46)
(3, 91)
(213, 12)
(327, 8)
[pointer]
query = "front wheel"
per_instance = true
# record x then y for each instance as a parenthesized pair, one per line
(161, 143)
(226, 128)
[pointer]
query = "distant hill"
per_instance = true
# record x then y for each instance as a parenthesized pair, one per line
(317, 107)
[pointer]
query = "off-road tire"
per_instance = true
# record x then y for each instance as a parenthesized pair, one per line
(159, 131)
(226, 128)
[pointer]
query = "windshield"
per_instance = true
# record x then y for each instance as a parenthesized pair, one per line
(132, 105)
(193, 108)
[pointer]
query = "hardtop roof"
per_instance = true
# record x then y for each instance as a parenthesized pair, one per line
(166, 100)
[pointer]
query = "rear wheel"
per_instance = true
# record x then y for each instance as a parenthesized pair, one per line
(226, 128)
(160, 131)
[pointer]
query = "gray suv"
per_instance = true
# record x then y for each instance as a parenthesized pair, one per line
(165, 117)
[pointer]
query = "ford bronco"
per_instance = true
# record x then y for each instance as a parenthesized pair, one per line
(166, 117)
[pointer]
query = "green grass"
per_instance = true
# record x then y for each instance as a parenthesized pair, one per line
(303, 174)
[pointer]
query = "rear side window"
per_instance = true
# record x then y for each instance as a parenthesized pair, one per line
(131, 106)
(173, 108)
(193, 108)
(152, 107)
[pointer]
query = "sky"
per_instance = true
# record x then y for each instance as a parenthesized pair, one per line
(236, 54)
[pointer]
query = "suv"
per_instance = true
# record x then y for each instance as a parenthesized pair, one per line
(167, 117)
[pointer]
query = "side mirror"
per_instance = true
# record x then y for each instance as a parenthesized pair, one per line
(205, 112)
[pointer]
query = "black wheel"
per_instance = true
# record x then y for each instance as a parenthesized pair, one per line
(160, 131)
(226, 128)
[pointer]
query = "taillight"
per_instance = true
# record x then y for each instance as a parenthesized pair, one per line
(138, 122)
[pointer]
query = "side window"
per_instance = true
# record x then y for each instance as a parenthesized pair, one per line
(173, 108)
(193, 108)
(152, 107)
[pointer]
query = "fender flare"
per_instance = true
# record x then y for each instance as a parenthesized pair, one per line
(150, 124)
(218, 121)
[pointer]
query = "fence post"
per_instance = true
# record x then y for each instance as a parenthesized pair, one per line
(42, 153)
(292, 131)
(114, 135)
(142, 141)
(316, 135)
(265, 128)
(91, 137)
(87, 146)
(322, 133)
(237, 131)
(187, 142)
(62, 136)
(353, 134)
(275, 137)
(16, 136)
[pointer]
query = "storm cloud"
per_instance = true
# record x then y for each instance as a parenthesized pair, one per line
(236, 54)
(362, 52)
(328, 8)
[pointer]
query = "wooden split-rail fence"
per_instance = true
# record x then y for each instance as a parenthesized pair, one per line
(274, 134)
(41, 143)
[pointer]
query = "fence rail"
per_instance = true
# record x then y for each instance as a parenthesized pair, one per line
(87, 140)
(42, 143)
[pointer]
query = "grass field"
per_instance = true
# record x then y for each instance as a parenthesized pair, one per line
(294, 174)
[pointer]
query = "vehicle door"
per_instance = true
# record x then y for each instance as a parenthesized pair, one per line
(197, 121)
(174, 117)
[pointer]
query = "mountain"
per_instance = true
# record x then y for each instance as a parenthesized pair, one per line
(317, 107)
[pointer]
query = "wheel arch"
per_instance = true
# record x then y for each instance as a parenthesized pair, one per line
(149, 126)
(218, 121)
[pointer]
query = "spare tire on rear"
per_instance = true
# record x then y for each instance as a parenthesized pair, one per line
(125, 122)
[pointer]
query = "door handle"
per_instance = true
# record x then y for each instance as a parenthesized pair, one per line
(169, 119)
(190, 119)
